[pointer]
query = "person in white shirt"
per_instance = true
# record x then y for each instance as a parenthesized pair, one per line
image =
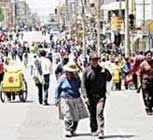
(46, 66)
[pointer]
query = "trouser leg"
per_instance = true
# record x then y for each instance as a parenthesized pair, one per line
(70, 125)
(93, 111)
(31, 70)
(147, 95)
(46, 87)
(135, 81)
(100, 115)
(40, 93)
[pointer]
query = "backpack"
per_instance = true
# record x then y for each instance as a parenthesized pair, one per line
(1, 67)
(38, 66)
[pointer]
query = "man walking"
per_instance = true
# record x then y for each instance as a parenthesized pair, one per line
(46, 71)
(94, 89)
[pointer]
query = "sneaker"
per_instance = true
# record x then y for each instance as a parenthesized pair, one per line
(68, 134)
(94, 134)
(100, 135)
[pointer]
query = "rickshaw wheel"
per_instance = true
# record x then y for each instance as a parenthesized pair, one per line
(23, 94)
(3, 96)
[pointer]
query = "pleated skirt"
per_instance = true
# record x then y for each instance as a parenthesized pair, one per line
(72, 109)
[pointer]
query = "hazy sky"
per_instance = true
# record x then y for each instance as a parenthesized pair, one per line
(42, 7)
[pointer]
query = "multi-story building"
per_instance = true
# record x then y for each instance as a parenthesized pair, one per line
(142, 9)
(22, 12)
(6, 6)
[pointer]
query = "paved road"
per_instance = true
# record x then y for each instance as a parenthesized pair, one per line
(125, 118)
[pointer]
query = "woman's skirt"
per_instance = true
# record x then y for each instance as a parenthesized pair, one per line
(72, 109)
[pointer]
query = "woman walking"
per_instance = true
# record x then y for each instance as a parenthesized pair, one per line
(67, 97)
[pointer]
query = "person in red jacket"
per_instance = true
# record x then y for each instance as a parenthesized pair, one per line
(145, 74)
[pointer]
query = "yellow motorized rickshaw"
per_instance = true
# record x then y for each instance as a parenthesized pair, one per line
(13, 84)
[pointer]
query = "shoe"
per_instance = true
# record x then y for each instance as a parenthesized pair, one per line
(94, 134)
(73, 133)
(46, 103)
(100, 135)
(68, 134)
(40, 102)
(149, 113)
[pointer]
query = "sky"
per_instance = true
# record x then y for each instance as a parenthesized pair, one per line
(42, 7)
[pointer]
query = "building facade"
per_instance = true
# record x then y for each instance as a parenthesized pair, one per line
(142, 10)
(6, 6)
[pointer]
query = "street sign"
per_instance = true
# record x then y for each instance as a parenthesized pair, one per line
(116, 23)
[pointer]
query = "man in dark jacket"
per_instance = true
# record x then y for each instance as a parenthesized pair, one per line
(59, 69)
(94, 80)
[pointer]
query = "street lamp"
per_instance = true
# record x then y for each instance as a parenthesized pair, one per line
(14, 13)
(98, 26)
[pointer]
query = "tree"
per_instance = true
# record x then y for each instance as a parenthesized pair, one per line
(1, 15)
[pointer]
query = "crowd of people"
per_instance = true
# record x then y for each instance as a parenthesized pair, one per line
(82, 81)
(132, 73)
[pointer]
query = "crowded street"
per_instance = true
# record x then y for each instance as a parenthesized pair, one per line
(76, 70)
(125, 115)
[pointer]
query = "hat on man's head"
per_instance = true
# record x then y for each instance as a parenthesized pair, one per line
(71, 67)
(94, 56)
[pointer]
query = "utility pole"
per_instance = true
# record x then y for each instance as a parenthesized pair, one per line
(14, 14)
(25, 12)
(151, 9)
(68, 16)
(84, 28)
(76, 16)
(127, 49)
(132, 30)
(144, 11)
(120, 8)
(98, 26)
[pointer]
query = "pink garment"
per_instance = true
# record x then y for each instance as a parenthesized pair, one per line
(145, 70)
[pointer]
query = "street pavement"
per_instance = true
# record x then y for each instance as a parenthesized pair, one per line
(125, 117)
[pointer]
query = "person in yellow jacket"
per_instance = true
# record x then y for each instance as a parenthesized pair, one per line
(116, 74)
